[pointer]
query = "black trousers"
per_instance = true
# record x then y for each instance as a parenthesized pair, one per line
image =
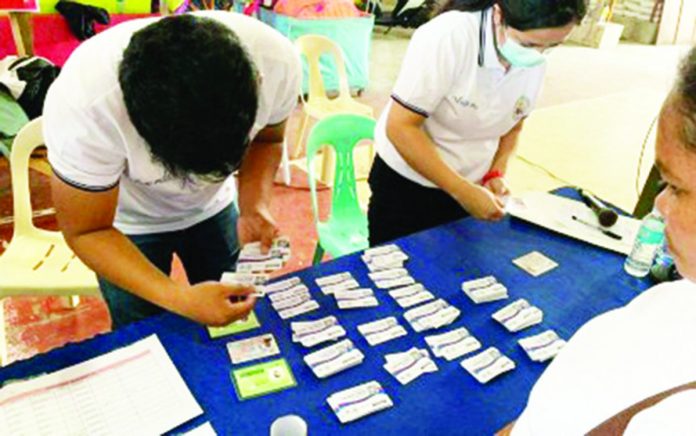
(400, 207)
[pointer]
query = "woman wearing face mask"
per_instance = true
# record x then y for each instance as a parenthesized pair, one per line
(469, 79)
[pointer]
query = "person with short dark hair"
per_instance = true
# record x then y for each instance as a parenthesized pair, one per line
(145, 127)
(469, 79)
(632, 371)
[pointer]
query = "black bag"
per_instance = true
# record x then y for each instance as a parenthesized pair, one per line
(81, 18)
(36, 75)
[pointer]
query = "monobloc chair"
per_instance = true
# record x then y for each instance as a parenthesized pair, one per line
(37, 261)
(346, 230)
(318, 105)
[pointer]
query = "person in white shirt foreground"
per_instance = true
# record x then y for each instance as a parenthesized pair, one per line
(144, 127)
(632, 370)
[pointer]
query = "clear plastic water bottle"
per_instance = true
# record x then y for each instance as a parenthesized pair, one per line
(649, 239)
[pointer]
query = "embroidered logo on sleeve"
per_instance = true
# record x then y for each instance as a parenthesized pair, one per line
(521, 108)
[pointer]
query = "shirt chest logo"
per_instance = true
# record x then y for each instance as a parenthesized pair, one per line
(522, 107)
(465, 103)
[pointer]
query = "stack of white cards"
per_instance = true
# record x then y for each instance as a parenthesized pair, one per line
(359, 401)
(543, 346)
(382, 330)
(355, 298)
(256, 281)
(384, 258)
(391, 278)
(290, 298)
(487, 365)
(434, 315)
(411, 295)
(485, 290)
(519, 315)
(252, 260)
(334, 359)
(311, 333)
(409, 365)
(453, 344)
(337, 282)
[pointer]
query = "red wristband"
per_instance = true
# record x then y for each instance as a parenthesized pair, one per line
(490, 175)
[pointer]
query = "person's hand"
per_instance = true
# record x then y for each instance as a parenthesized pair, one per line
(481, 203)
(215, 304)
(498, 186)
(257, 226)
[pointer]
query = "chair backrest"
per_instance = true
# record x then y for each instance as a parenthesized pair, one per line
(342, 132)
(28, 138)
(313, 47)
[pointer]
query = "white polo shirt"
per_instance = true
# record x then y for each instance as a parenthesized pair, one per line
(93, 145)
(614, 361)
(468, 107)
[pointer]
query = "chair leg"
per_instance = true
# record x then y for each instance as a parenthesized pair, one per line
(74, 301)
(318, 254)
(328, 166)
(3, 337)
(285, 163)
(297, 151)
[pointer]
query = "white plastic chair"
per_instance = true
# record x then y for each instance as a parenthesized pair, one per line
(37, 261)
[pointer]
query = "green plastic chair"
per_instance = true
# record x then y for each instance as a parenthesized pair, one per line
(346, 230)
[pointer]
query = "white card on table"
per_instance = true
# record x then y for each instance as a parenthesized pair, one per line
(410, 365)
(453, 344)
(382, 330)
(535, 263)
(488, 365)
(292, 312)
(359, 401)
(333, 279)
(388, 274)
(334, 359)
(543, 346)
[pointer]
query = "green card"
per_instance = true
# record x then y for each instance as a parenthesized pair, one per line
(236, 327)
(262, 379)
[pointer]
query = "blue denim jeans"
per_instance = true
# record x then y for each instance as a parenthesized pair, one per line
(206, 249)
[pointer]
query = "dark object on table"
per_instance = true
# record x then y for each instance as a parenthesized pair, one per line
(81, 18)
(607, 217)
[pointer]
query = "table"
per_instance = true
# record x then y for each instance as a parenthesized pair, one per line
(587, 282)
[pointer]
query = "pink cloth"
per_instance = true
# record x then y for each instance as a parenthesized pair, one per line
(312, 9)
(52, 38)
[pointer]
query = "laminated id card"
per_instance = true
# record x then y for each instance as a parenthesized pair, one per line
(359, 401)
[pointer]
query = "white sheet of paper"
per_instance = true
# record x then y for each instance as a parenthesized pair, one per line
(556, 213)
(132, 390)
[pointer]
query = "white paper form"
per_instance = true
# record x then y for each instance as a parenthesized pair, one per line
(132, 390)
(556, 213)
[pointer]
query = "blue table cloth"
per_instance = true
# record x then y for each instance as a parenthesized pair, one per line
(587, 282)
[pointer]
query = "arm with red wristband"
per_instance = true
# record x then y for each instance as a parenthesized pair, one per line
(494, 179)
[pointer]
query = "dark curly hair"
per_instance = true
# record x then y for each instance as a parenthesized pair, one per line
(527, 14)
(190, 89)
